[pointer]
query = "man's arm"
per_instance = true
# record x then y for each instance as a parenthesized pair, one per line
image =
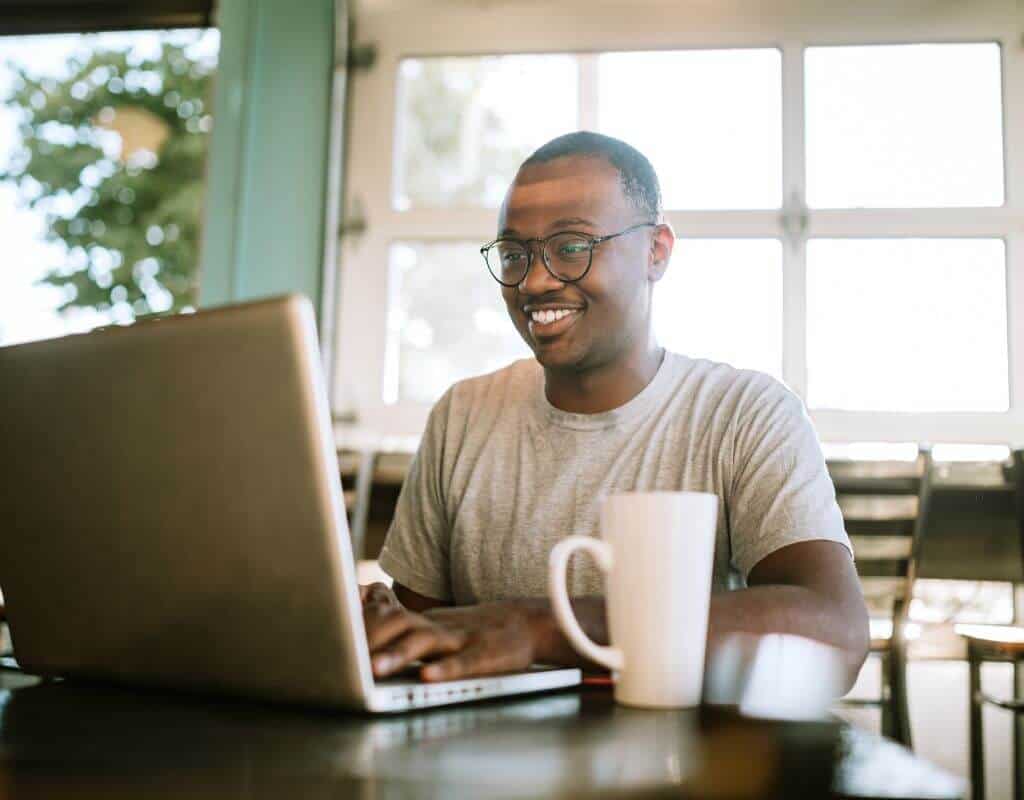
(808, 588)
(416, 602)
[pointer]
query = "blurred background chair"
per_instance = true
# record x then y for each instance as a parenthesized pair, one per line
(997, 643)
(5, 638)
(358, 468)
(373, 468)
(885, 506)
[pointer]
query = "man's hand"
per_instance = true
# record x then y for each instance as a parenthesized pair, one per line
(455, 642)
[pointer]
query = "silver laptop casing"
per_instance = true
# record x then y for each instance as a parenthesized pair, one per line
(171, 515)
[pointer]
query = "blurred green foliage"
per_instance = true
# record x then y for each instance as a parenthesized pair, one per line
(130, 222)
(456, 149)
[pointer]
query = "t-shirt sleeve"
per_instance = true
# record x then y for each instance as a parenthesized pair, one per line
(780, 492)
(415, 552)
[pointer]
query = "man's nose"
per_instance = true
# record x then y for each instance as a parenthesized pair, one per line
(537, 279)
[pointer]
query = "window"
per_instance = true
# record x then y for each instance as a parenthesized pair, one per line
(465, 124)
(102, 147)
(843, 203)
(698, 311)
(916, 325)
(904, 126)
(444, 323)
(723, 147)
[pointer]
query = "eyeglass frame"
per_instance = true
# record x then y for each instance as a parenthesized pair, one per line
(543, 242)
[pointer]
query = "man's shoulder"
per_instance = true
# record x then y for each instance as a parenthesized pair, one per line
(705, 379)
(501, 389)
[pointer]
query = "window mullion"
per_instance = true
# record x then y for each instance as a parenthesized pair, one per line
(913, 222)
(589, 92)
(724, 224)
(794, 273)
(1015, 325)
(1013, 143)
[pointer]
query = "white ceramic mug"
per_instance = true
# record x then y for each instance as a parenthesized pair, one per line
(657, 550)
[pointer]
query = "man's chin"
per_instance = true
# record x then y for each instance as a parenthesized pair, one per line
(556, 357)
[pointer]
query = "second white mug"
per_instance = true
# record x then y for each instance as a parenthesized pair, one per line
(657, 550)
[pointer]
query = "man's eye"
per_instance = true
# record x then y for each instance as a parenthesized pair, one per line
(511, 258)
(572, 249)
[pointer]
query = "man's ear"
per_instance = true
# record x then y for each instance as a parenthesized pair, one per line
(661, 252)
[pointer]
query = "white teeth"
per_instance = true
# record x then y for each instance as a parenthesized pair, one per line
(547, 316)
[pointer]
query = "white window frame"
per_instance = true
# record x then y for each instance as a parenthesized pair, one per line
(404, 28)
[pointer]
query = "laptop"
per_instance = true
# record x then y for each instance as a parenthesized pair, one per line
(171, 516)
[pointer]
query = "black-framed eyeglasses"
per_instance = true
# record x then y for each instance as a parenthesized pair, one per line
(567, 255)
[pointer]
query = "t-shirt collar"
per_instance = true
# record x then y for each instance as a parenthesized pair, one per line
(633, 409)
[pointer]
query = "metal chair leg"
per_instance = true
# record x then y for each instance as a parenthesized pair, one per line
(1018, 738)
(361, 512)
(898, 697)
(901, 710)
(977, 740)
(888, 718)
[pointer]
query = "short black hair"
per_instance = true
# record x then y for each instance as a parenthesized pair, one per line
(639, 180)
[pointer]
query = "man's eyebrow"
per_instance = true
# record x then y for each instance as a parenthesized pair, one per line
(566, 222)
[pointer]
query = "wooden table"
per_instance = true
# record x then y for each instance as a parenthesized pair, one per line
(59, 740)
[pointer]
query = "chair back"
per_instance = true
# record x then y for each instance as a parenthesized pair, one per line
(885, 507)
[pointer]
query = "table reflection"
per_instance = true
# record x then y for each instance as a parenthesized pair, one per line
(63, 739)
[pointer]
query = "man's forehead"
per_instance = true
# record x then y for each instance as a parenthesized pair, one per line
(562, 189)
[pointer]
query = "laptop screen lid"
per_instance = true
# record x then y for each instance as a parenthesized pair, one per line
(171, 511)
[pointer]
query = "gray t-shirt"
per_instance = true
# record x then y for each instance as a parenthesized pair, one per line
(502, 475)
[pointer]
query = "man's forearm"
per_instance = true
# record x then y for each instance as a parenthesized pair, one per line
(757, 610)
(550, 643)
(791, 609)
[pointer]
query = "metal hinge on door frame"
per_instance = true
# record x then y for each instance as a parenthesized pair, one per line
(794, 219)
(348, 58)
(359, 58)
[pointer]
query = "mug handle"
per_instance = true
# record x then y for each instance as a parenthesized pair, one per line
(610, 657)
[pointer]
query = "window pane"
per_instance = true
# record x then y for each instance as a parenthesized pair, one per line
(907, 325)
(718, 144)
(722, 299)
(906, 126)
(102, 144)
(466, 124)
(446, 320)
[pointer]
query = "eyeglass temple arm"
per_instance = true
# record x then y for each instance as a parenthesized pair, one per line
(598, 239)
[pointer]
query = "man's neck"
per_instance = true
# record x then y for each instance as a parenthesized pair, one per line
(606, 387)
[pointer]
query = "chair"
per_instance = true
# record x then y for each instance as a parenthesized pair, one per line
(373, 468)
(1003, 643)
(885, 506)
(362, 464)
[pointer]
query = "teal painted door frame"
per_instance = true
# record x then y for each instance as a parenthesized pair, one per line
(267, 169)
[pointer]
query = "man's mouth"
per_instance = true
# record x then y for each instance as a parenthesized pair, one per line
(545, 323)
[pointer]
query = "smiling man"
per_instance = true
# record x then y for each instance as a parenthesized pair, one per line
(514, 461)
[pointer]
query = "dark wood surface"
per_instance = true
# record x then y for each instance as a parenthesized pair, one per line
(972, 534)
(971, 531)
(59, 740)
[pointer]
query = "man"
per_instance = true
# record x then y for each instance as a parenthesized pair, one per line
(514, 461)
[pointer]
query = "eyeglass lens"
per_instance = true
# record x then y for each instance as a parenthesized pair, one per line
(567, 256)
